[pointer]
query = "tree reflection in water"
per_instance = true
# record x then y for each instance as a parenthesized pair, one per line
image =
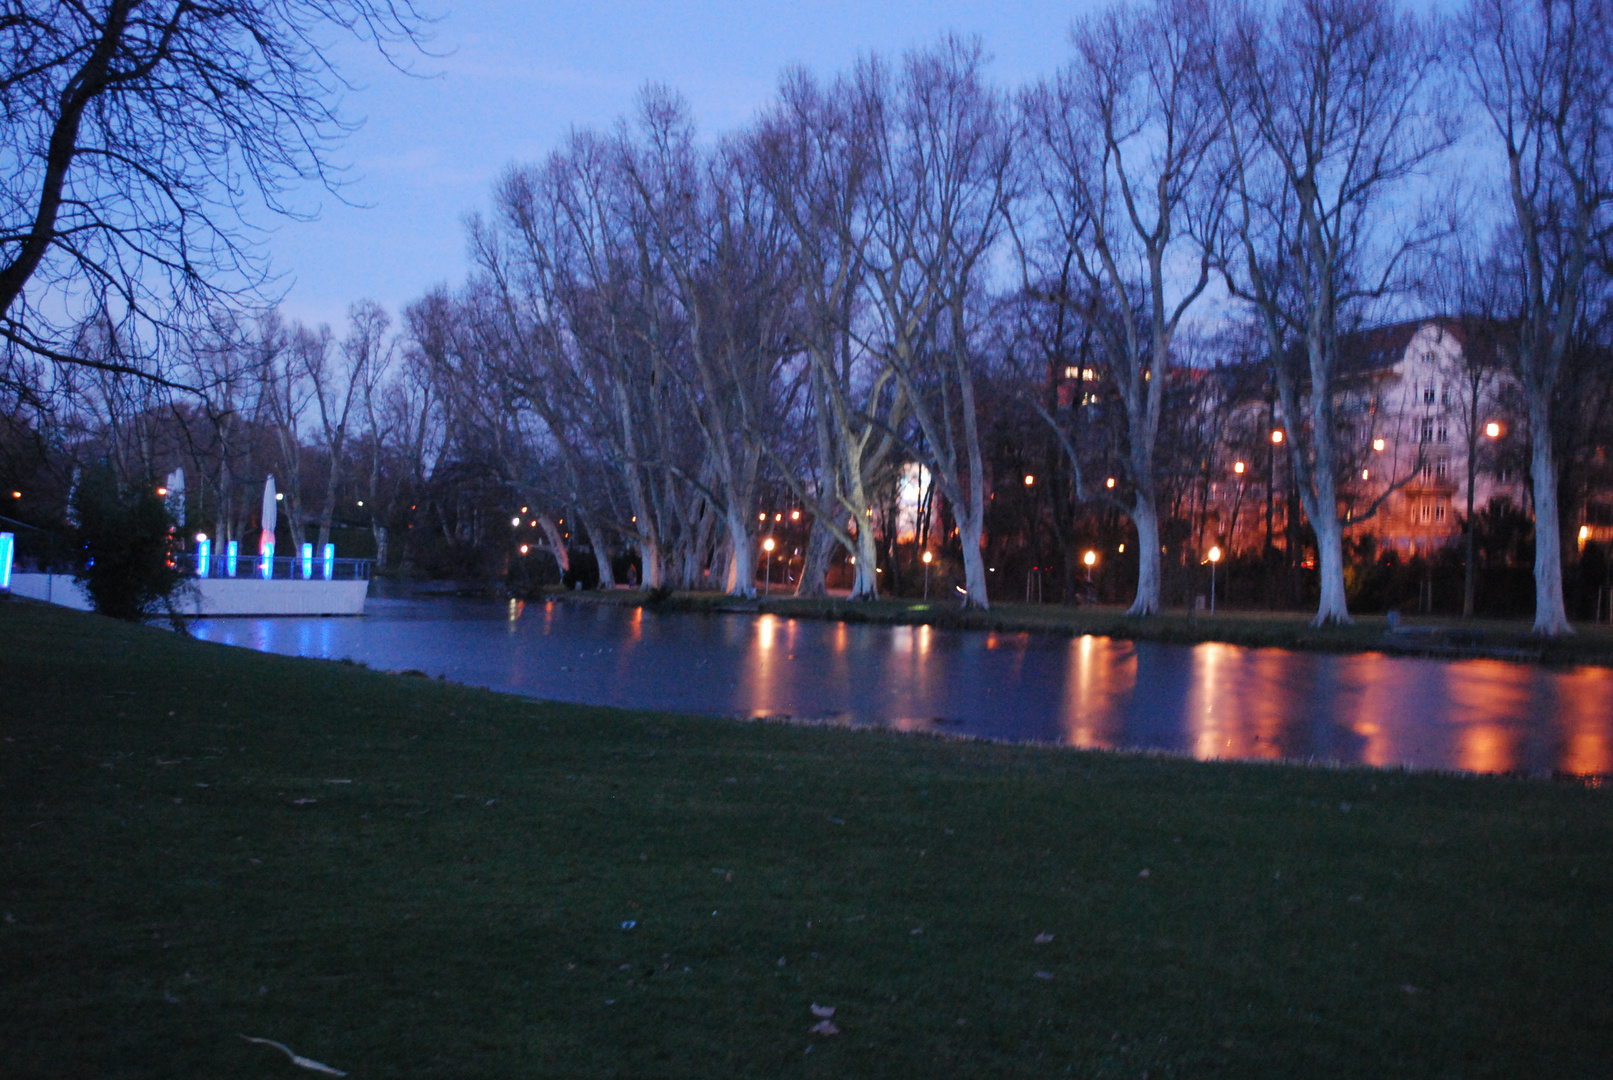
(1209, 700)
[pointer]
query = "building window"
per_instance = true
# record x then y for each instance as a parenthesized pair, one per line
(1427, 432)
(1439, 512)
(1441, 467)
(1428, 394)
(1425, 511)
(1444, 433)
(1445, 396)
(1427, 471)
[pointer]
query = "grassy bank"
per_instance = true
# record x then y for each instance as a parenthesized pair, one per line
(1416, 636)
(406, 878)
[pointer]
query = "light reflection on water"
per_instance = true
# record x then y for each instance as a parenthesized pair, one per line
(1210, 700)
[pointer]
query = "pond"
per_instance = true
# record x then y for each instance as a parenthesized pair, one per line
(1208, 701)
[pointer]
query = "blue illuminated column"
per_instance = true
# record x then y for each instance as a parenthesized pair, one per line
(266, 562)
(307, 561)
(232, 550)
(204, 558)
(330, 561)
(8, 545)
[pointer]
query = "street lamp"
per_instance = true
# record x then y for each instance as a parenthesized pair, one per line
(1493, 430)
(1237, 467)
(1276, 436)
(767, 546)
(1089, 558)
(1029, 479)
(927, 559)
(1215, 557)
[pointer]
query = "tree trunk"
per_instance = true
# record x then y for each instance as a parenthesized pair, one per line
(1333, 608)
(866, 584)
(379, 532)
(607, 579)
(815, 566)
(556, 541)
(742, 556)
(974, 564)
(1551, 619)
(1145, 516)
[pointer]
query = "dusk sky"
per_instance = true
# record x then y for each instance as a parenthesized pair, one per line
(517, 77)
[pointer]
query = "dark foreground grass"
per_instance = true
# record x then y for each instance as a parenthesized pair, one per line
(404, 878)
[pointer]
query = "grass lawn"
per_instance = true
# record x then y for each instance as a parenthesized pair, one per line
(406, 878)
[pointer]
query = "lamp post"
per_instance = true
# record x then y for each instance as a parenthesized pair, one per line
(767, 546)
(1089, 558)
(927, 559)
(1215, 557)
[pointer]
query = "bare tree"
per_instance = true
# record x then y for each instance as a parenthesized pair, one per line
(939, 184)
(814, 156)
(1125, 158)
(337, 384)
(1330, 120)
(136, 135)
(283, 360)
(1542, 73)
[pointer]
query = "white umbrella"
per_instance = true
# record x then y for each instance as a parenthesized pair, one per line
(271, 514)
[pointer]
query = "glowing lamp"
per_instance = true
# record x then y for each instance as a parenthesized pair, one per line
(279, 496)
(1237, 467)
(330, 561)
(928, 558)
(1029, 479)
(8, 545)
(1366, 474)
(514, 522)
(16, 494)
(778, 517)
(232, 552)
(1215, 554)
(1493, 430)
(307, 561)
(1109, 483)
(761, 517)
(767, 545)
(1584, 533)
(1276, 437)
(361, 502)
(1377, 444)
(204, 555)
(266, 563)
(162, 491)
(1091, 557)
(524, 549)
(795, 515)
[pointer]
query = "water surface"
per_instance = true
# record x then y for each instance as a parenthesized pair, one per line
(1209, 700)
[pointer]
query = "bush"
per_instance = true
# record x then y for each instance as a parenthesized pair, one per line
(125, 546)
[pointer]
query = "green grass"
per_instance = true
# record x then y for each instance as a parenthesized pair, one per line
(179, 868)
(1450, 636)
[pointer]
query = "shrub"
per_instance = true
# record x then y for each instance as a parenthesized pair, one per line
(125, 546)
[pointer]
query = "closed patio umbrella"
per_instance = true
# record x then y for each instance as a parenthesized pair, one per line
(271, 516)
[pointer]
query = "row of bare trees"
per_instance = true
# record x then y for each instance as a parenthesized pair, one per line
(660, 334)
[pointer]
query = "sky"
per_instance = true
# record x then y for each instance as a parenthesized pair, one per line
(510, 80)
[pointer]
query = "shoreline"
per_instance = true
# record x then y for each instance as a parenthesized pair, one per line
(1427, 637)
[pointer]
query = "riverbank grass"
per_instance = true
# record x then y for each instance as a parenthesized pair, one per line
(404, 878)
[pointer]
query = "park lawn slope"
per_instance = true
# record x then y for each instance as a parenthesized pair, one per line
(406, 878)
